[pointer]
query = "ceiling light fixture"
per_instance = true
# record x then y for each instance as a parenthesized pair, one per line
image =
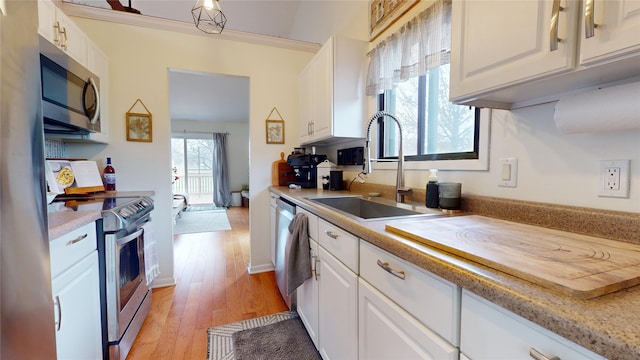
(208, 16)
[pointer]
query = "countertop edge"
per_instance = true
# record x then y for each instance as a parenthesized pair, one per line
(596, 324)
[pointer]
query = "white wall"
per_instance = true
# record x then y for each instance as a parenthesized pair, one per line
(139, 59)
(237, 145)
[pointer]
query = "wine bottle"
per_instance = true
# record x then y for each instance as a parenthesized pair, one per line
(109, 176)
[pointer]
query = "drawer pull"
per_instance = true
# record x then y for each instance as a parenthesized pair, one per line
(331, 234)
(77, 240)
(537, 355)
(390, 270)
(58, 321)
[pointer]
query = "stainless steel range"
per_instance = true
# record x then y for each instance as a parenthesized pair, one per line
(126, 224)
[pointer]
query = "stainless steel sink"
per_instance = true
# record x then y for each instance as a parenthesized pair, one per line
(360, 208)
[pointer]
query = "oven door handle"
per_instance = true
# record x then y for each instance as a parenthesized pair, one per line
(130, 237)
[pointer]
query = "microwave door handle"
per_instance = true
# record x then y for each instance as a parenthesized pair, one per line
(96, 114)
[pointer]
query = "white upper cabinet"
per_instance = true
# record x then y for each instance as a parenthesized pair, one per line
(507, 54)
(56, 27)
(615, 29)
(332, 96)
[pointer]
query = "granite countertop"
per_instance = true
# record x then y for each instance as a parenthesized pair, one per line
(608, 325)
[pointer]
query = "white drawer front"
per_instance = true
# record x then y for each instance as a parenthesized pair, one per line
(313, 222)
(432, 300)
(491, 332)
(72, 247)
(339, 243)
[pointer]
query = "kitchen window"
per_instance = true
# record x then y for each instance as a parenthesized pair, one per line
(433, 128)
(409, 73)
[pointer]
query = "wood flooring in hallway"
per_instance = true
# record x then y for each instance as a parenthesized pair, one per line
(213, 288)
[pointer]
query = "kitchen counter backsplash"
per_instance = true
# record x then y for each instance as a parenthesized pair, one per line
(615, 225)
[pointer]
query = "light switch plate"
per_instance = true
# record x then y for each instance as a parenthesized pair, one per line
(508, 173)
(613, 178)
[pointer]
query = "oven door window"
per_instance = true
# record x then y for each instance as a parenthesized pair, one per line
(131, 268)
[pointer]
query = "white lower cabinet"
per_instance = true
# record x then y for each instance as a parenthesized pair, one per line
(491, 332)
(307, 297)
(76, 294)
(337, 308)
(431, 300)
(386, 331)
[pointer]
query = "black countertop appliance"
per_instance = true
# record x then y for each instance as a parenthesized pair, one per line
(305, 169)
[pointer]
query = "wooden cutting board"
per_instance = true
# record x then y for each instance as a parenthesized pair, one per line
(577, 265)
(281, 173)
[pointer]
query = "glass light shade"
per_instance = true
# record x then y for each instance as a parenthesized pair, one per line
(208, 16)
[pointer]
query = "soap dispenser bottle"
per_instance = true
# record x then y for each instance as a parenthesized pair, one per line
(432, 190)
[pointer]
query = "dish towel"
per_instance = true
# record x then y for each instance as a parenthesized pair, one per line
(297, 253)
(151, 266)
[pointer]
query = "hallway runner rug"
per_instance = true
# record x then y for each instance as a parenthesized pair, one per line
(201, 221)
(265, 337)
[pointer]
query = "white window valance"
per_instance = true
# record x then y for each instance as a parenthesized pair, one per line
(421, 44)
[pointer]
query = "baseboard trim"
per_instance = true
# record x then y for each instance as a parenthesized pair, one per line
(260, 268)
(163, 282)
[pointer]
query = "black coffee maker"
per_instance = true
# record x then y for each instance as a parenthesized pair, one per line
(305, 169)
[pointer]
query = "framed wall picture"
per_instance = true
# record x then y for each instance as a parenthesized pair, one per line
(139, 127)
(383, 13)
(275, 131)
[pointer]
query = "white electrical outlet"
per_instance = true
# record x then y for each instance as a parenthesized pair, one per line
(614, 178)
(508, 172)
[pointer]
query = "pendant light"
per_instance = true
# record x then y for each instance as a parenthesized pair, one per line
(208, 16)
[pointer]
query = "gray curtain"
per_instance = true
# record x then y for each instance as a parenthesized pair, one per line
(221, 195)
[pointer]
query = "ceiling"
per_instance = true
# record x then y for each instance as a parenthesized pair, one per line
(302, 20)
(219, 97)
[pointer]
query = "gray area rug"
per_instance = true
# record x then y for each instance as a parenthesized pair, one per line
(220, 345)
(201, 221)
(287, 339)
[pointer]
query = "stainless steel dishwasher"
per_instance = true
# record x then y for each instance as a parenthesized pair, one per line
(285, 212)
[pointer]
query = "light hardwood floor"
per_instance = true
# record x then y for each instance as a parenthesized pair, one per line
(213, 288)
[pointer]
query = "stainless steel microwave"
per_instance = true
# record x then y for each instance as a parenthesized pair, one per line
(70, 93)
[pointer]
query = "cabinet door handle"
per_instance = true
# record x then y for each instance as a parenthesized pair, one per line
(331, 234)
(537, 355)
(57, 27)
(397, 273)
(317, 274)
(553, 29)
(77, 240)
(58, 321)
(589, 25)
(63, 38)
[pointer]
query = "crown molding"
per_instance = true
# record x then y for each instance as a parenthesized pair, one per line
(121, 17)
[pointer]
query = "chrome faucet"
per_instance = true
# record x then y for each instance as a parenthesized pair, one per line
(401, 190)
